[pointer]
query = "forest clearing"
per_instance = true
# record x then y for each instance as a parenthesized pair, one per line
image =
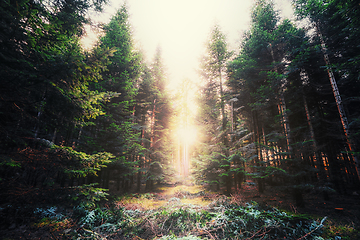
(99, 141)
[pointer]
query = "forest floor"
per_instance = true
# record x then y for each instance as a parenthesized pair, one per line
(342, 211)
(186, 211)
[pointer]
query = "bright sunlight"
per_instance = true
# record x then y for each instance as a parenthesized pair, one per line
(187, 135)
(185, 130)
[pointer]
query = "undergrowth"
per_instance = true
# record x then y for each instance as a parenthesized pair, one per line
(223, 218)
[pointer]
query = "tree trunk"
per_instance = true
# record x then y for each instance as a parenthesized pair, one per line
(339, 104)
(298, 197)
(261, 185)
(285, 123)
(75, 144)
(153, 125)
(53, 139)
(138, 181)
(282, 110)
(224, 140)
(118, 180)
(42, 104)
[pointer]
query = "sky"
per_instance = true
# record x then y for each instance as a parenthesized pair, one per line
(181, 28)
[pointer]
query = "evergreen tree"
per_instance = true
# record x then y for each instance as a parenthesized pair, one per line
(335, 24)
(143, 108)
(160, 113)
(42, 61)
(115, 131)
(45, 92)
(212, 103)
(267, 85)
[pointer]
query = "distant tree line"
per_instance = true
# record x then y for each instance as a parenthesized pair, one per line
(284, 110)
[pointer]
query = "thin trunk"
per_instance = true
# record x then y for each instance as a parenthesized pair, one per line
(222, 102)
(260, 156)
(285, 123)
(153, 125)
(339, 103)
(232, 116)
(106, 178)
(282, 110)
(224, 140)
(149, 183)
(265, 148)
(142, 159)
(37, 126)
(78, 138)
(70, 133)
(138, 180)
(118, 182)
(54, 136)
(317, 160)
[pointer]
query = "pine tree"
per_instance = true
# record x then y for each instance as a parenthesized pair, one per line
(335, 27)
(267, 81)
(160, 112)
(45, 92)
(115, 131)
(212, 103)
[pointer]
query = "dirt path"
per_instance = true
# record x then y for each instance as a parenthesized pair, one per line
(169, 195)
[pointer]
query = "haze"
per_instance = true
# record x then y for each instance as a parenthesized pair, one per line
(181, 28)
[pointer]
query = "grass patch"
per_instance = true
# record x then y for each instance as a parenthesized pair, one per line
(182, 188)
(140, 201)
(336, 230)
(195, 201)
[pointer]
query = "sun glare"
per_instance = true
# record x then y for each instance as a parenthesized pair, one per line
(187, 135)
(186, 140)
